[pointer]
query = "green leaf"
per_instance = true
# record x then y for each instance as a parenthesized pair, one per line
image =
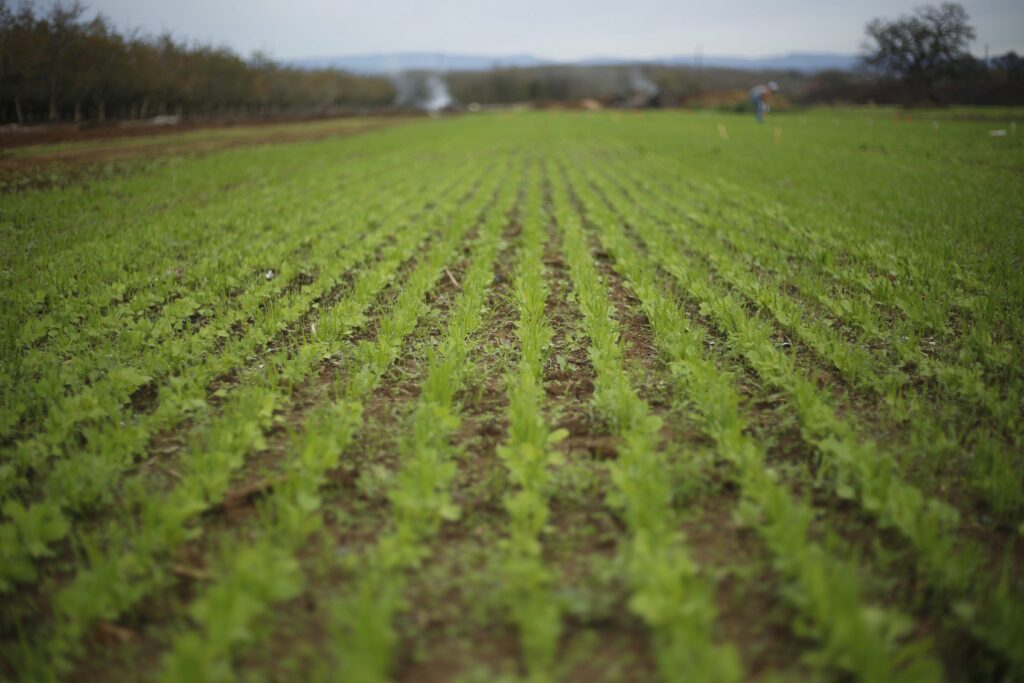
(558, 436)
(450, 512)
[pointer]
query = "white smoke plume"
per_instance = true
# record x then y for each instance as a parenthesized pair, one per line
(428, 92)
(438, 96)
(641, 84)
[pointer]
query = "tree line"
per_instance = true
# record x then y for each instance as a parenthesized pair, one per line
(923, 58)
(63, 65)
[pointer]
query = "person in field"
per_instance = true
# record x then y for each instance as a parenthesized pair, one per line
(759, 95)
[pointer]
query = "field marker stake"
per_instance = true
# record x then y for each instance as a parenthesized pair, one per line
(452, 278)
(190, 572)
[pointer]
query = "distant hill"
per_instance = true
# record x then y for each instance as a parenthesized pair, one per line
(804, 62)
(417, 61)
(385, 63)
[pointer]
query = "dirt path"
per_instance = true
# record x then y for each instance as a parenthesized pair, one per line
(12, 137)
(86, 156)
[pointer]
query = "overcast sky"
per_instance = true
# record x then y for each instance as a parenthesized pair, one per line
(558, 29)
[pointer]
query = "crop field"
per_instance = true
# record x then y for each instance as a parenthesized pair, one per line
(550, 396)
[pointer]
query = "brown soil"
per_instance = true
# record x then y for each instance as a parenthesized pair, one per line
(451, 628)
(355, 504)
(238, 511)
(842, 525)
(454, 623)
(602, 640)
(70, 166)
(751, 613)
(48, 134)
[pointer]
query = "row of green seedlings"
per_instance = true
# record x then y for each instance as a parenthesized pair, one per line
(90, 266)
(226, 280)
(118, 255)
(132, 306)
(993, 466)
(862, 640)
(57, 293)
(96, 401)
(528, 454)
(668, 590)
(995, 471)
(853, 360)
(88, 483)
(263, 570)
(832, 247)
(904, 279)
(97, 410)
(126, 560)
(362, 620)
(857, 467)
(853, 263)
(230, 438)
(902, 324)
(822, 260)
(972, 349)
(103, 307)
(984, 416)
(912, 306)
(218, 450)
